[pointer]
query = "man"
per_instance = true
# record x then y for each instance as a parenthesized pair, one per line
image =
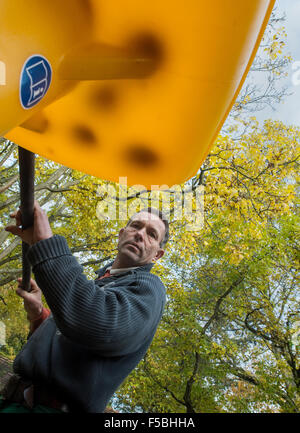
(98, 331)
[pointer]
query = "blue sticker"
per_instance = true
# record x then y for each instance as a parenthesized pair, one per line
(35, 80)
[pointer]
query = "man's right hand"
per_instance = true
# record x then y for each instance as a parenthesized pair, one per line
(32, 300)
(40, 230)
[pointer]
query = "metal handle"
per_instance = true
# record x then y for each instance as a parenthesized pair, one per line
(26, 165)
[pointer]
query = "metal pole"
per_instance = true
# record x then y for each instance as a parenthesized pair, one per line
(26, 165)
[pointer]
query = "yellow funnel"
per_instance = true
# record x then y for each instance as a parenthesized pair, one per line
(135, 89)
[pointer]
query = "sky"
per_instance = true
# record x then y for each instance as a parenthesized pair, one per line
(289, 111)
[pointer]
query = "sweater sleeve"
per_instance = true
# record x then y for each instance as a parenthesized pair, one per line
(114, 321)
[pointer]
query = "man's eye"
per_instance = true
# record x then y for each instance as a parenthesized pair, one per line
(152, 234)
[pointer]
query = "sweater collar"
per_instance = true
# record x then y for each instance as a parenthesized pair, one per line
(145, 268)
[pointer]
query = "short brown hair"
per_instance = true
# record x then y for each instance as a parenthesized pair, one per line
(154, 211)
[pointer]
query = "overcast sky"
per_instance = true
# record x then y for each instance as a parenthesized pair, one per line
(289, 111)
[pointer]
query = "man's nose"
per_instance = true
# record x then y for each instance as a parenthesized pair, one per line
(140, 234)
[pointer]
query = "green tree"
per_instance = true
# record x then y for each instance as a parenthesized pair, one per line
(232, 288)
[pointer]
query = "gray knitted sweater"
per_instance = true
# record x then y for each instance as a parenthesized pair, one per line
(98, 330)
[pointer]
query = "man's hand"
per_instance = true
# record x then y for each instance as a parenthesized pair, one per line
(32, 300)
(40, 230)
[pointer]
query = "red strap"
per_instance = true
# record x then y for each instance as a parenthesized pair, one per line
(107, 274)
(37, 322)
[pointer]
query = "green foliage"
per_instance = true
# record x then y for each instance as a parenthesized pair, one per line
(224, 343)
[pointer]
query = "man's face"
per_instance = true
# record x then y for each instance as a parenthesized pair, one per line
(139, 241)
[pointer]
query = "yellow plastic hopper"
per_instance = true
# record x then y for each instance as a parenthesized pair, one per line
(124, 88)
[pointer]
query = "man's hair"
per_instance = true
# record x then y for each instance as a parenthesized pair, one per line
(158, 213)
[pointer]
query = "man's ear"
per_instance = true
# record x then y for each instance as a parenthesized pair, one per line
(158, 255)
(120, 233)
